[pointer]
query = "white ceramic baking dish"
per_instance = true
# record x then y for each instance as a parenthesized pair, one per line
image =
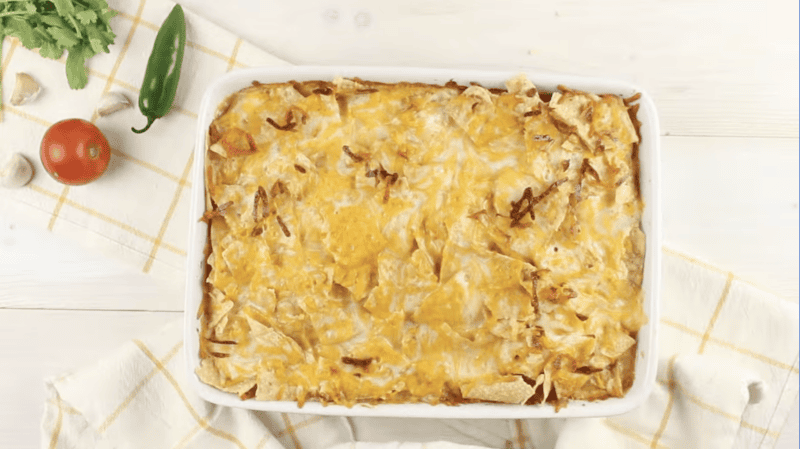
(647, 354)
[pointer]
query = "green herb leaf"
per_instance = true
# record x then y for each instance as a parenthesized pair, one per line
(64, 37)
(75, 26)
(64, 7)
(106, 16)
(79, 26)
(77, 74)
(97, 40)
(41, 31)
(22, 30)
(87, 16)
(51, 50)
(95, 4)
(54, 21)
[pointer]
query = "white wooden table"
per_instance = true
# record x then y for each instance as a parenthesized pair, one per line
(724, 76)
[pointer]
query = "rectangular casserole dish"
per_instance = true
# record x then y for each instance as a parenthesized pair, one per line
(646, 357)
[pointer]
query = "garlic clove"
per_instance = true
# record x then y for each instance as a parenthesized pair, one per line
(15, 171)
(112, 102)
(25, 89)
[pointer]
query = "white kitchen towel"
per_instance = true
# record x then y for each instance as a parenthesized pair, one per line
(138, 210)
(728, 377)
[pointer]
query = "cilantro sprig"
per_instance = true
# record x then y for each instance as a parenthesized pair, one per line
(80, 27)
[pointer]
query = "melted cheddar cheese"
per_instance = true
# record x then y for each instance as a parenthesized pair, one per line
(417, 243)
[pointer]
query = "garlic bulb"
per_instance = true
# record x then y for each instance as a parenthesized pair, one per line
(25, 89)
(15, 171)
(112, 102)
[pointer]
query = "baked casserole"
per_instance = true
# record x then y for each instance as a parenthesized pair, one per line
(397, 243)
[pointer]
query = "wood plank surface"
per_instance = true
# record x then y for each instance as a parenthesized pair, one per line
(36, 344)
(733, 202)
(724, 76)
(714, 67)
(39, 270)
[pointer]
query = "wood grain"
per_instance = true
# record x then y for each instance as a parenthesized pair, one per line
(714, 67)
(734, 203)
(39, 270)
(36, 344)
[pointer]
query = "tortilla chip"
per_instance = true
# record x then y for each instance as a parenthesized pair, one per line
(514, 391)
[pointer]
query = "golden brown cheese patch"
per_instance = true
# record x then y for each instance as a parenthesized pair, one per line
(404, 242)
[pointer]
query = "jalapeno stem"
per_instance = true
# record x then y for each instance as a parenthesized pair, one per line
(150, 120)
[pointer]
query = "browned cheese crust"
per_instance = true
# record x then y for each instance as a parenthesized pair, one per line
(399, 243)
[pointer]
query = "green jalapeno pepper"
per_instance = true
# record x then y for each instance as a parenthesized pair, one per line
(163, 68)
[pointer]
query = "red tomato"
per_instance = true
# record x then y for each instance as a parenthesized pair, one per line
(75, 152)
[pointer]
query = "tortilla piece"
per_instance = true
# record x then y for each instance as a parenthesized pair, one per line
(514, 390)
